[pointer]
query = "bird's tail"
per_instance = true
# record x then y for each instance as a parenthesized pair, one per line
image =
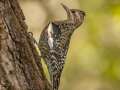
(55, 82)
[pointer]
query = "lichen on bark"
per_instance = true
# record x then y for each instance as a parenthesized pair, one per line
(20, 65)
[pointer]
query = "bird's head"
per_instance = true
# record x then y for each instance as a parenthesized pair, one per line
(75, 15)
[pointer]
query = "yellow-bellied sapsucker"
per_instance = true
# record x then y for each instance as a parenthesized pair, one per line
(54, 42)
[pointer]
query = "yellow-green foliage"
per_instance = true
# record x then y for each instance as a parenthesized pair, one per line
(93, 60)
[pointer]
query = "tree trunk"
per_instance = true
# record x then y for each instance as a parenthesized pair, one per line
(20, 65)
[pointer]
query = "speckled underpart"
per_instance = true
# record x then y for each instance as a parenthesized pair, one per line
(54, 43)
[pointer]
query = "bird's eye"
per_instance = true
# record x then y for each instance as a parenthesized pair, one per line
(73, 11)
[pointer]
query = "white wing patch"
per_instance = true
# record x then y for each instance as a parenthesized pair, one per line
(50, 38)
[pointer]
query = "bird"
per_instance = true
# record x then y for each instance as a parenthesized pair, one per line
(54, 42)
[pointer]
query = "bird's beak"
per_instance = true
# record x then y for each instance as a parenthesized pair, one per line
(66, 8)
(69, 13)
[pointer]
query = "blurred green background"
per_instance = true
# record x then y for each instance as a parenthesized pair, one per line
(93, 60)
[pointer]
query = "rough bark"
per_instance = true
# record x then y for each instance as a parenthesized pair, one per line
(20, 65)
